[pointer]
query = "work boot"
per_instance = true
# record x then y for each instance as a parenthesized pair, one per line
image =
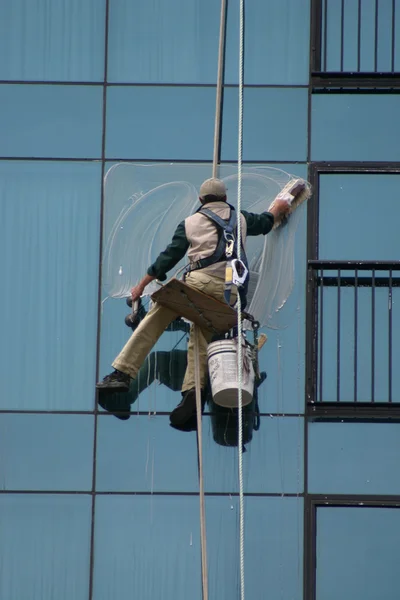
(186, 409)
(115, 382)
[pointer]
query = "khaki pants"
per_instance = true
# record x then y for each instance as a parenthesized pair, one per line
(157, 320)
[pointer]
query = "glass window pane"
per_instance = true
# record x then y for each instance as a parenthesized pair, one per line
(273, 547)
(158, 42)
(65, 43)
(160, 534)
(165, 460)
(357, 553)
(50, 252)
(153, 545)
(343, 130)
(264, 134)
(44, 546)
(357, 198)
(57, 121)
(38, 454)
(272, 463)
(274, 32)
(147, 123)
(342, 459)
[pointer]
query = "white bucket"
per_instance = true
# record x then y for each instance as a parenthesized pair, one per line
(222, 368)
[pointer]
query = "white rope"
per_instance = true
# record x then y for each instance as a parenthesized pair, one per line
(239, 306)
(203, 536)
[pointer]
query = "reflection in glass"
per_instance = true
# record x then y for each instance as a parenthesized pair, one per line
(343, 130)
(268, 114)
(65, 43)
(270, 28)
(50, 252)
(273, 547)
(342, 459)
(357, 197)
(51, 121)
(44, 546)
(147, 547)
(170, 123)
(357, 553)
(143, 48)
(37, 453)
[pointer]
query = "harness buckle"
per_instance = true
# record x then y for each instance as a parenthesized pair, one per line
(230, 243)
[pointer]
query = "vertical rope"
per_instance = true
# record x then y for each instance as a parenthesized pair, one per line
(203, 537)
(239, 306)
(220, 82)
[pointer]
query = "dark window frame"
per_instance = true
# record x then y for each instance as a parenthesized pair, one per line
(312, 503)
(336, 410)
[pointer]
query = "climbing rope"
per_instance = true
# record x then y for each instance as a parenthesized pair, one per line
(239, 304)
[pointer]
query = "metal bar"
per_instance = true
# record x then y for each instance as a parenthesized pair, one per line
(342, 36)
(393, 35)
(390, 334)
(220, 87)
(361, 282)
(373, 337)
(359, 38)
(362, 265)
(376, 36)
(364, 412)
(338, 342)
(321, 346)
(325, 34)
(355, 334)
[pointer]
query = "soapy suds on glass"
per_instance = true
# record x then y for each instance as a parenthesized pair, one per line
(145, 203)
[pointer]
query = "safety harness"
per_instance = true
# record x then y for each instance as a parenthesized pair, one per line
(237, 271)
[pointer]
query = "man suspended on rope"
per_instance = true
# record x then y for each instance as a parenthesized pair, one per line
(206, 236)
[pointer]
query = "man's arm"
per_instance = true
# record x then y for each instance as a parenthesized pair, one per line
(261, 224)
(166, 261)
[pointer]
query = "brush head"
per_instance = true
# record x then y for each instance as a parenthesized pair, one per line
(294, 193)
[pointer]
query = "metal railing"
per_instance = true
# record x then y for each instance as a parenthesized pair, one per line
(353, 39)
(353, 348)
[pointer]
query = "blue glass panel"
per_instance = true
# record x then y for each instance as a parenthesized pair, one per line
(160, 535)
(273, 547)
(51, 121)
(273, 461)
(343, 130)
(366, 44)
(38, 454)
(50, 268)
(64, 42)
(160, 123)
(274, 32)
(158, 42)
(164, 459)
(269, 113)
(342, 459)
(358, 198)
(44, 546)
(147, 547)
(357, 553)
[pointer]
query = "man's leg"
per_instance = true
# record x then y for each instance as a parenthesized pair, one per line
(212, 286)
(133, 354)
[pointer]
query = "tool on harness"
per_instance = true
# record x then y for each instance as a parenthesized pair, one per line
(236, 272)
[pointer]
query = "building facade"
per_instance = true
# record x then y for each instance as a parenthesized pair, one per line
(94, 508)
